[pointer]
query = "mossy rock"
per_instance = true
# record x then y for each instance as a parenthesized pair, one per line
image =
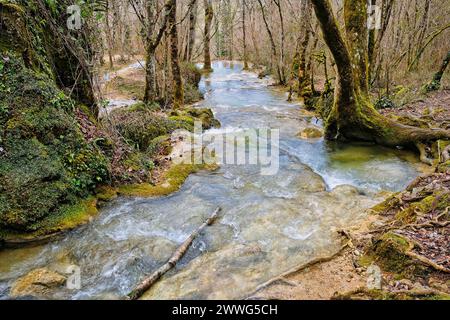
(191, 115)
(311, 133)
(191, 74)
(389, 252)
(65, 218)
(141, 126)
(172, 181)
(45, 162)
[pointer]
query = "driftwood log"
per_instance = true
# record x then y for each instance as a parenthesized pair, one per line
(148, 282)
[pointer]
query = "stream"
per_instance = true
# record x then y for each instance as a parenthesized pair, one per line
(268, 224)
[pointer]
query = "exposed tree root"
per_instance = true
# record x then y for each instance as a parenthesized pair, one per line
(377, 294)
(427, 261)
(148, 282)
(281, 279)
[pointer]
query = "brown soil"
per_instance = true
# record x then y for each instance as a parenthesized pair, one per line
(319, 282)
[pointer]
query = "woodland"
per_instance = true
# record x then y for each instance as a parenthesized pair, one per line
(92, 94)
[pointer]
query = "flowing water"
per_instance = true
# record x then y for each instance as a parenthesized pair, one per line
(268, 225)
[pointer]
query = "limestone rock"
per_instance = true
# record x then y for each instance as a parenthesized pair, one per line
(37, 283)
(311, 133)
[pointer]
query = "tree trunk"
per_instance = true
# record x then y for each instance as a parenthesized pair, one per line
(371, 45)
(244, 34)
(355, 16)
(272, 42)
(192, 24)
(178, 91)
(436, 83)
(352, 115)
(282, 45)
(151, 92)
(209, 15)
(303, 75)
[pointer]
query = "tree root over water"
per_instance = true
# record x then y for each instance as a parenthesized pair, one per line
(148, 282)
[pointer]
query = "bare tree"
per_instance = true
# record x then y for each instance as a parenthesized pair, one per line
(352, 115)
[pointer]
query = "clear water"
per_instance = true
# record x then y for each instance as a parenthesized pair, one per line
(268, 225)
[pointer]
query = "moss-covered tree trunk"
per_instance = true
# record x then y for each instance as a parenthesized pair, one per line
(178, 90)
(304, 78)
(436, 82)
(244, 33)
(192, 24)
(151, 92)
(209, 15)
(352, 115)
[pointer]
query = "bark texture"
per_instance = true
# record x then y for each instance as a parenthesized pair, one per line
(209, 15)
(178, 90)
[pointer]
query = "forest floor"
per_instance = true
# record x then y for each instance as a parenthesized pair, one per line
(402, 251)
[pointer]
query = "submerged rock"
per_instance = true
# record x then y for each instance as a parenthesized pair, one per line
(311, 133)
(345, 190)
(37, 283)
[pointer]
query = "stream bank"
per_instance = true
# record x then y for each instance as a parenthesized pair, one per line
(270, 224)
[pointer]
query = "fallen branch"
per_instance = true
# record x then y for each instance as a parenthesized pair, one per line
(147, 283)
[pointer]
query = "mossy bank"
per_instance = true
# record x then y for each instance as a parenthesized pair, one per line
(57, 163)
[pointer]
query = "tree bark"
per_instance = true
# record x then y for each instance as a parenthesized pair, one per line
(355, 16)
(209, 15)
(244, 34)
(282, 45)
(353, 116)
(436, 83)
(192, 24)
(272, 43)
(303, 75)
(178, 90)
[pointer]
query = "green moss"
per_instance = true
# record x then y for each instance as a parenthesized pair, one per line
(172, 181)
(365, 261)
(46, 161)
(106, 193)
(389, 251)
(188, 120)
(141, 126)
(384, 206)
(65, 219)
